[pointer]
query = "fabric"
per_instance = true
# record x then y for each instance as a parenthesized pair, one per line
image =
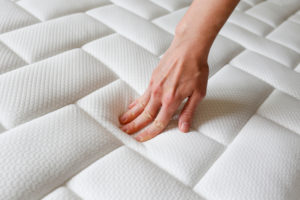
(68, 69)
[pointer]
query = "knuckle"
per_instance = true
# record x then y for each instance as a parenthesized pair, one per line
(188, 113)
(184, 118)
(148, 115)
(132, 125)
(168, 100)
(142, 104)
(158, 124)
(156, 91)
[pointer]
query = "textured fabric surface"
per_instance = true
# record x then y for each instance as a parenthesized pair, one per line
(68, 69)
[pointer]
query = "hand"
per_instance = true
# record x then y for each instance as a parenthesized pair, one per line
(182, 72)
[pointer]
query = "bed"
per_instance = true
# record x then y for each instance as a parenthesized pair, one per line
(69, 68)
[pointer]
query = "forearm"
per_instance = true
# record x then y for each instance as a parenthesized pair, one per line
(202, 22)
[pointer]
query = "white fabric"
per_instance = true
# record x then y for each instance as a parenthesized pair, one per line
(68, 69)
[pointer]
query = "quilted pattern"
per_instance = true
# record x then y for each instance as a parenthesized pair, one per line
(68, 69)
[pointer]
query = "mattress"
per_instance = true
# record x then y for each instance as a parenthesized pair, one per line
(70, 68)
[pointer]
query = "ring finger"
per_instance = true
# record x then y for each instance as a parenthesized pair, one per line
(160, 123)
(144, 118)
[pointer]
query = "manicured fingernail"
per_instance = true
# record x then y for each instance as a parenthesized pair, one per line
(184, 126)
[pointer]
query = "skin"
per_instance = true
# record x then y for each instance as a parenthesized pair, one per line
(182, 72)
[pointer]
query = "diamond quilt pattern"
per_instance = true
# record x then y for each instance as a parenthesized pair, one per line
(68, 69)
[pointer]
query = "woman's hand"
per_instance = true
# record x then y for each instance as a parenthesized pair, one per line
(181, 73)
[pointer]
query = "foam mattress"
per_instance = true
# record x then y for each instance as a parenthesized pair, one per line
(69, 68)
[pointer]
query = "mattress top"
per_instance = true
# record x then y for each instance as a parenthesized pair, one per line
(69, 68)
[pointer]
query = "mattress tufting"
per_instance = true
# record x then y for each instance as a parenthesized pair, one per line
(69, 68)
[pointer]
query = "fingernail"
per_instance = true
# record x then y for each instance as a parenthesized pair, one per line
(184, 126)
(123, 118)
(139, 138)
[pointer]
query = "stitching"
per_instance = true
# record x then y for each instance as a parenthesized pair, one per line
(265, 81)
(197, 131)
(238, 132)
(144, 157)
(147, 21)
(134, 12)
(281, 125)
(13, 51)
(246, 46)
(26, 11)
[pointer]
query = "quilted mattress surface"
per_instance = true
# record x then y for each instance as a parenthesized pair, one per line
(69, 68)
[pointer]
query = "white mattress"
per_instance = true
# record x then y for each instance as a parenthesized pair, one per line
(70, 68)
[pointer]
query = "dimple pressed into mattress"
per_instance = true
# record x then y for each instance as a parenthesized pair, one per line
(69, 68)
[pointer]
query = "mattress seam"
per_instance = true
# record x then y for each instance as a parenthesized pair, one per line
(26, 11)
(272, 85)
(13, 51)
(254, 50)
(290, 130)
(167, 33)
(238, 132)
(165, 171)
(150, 19)
(96, 159)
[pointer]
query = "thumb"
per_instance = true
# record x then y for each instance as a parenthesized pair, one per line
(187, 112)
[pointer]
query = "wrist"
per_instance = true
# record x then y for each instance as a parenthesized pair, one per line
(192, 44)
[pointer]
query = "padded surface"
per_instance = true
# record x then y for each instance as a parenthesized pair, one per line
(68, 69)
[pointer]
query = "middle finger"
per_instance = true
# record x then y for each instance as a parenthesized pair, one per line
(144, 118)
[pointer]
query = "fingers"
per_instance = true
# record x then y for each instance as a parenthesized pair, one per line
(187, 112)
(159, 124)
(147, 114)
(144, 118)
(136, 107)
